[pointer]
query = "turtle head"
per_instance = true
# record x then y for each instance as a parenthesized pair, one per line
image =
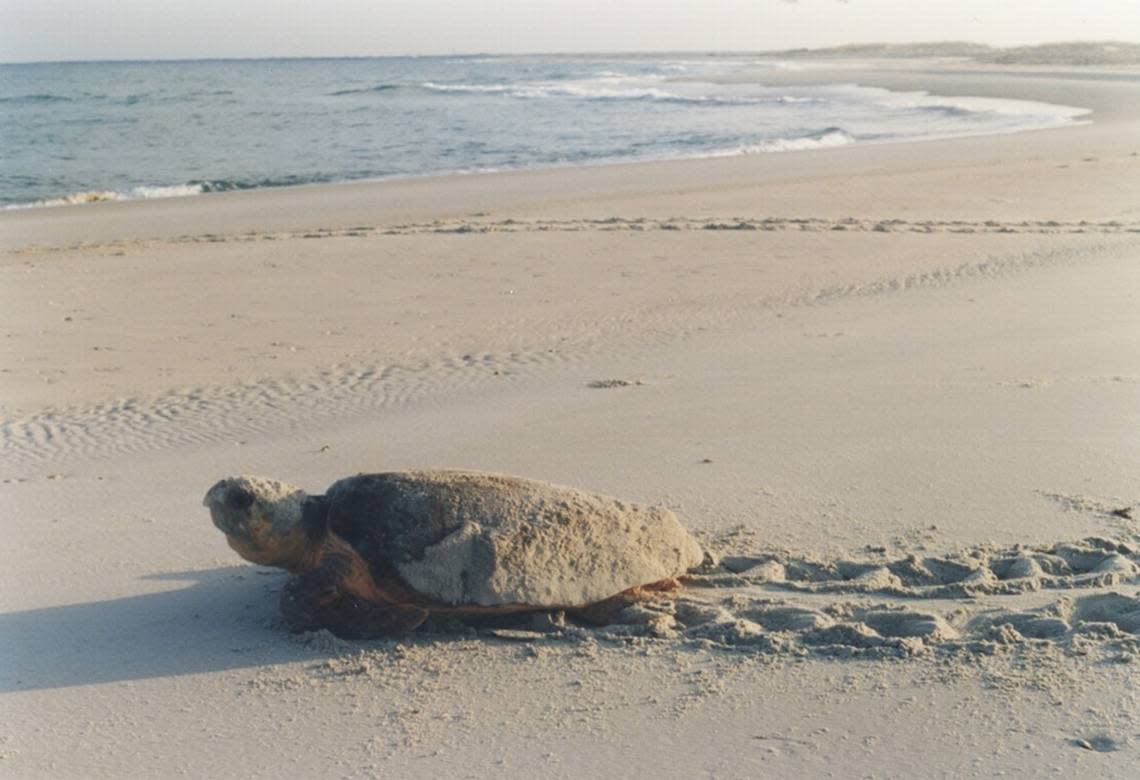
(261, 519)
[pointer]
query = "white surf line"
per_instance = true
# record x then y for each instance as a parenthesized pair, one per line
(644, 224)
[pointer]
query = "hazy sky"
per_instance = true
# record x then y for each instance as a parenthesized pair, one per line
(163, 29)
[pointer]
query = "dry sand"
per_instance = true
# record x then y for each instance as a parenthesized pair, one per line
(896, 388)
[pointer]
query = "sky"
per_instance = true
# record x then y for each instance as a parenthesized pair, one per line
(33, 30)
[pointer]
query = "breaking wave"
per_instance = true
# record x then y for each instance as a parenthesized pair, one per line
(972, 106)
(533, 90)
(149, 192)
(99, 196)
(832, 136)
(613, 88)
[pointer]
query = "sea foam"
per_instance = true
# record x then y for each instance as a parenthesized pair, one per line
(99, 196)
(833, 136)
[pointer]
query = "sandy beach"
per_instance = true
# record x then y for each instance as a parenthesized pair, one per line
(894, 388)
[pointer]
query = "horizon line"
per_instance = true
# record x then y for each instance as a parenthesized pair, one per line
(608, 53)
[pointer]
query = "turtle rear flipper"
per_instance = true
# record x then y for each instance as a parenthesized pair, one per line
(602, 613)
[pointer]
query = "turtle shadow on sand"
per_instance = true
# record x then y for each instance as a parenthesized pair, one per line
(217, 623)
(227, 618)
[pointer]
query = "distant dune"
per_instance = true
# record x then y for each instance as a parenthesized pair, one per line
(1068, 53)
(1075, 53)
(932, 49)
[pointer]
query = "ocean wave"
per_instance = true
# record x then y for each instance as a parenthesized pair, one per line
(824, 139)
(39, 97)
(73, 199)
(143, 192)
(289, 180)
(168, 191)
(489, 89)
(609, 88)
(88, 196)
(197, 187)
(966, 105)
(534, 90)
(365, 90)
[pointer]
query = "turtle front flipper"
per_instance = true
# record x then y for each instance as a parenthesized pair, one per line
(353, 618)
(329, 597)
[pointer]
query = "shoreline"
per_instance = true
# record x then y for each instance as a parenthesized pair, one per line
(712, 154)
(20, 224)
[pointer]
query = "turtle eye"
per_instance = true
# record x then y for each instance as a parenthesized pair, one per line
(239, 498)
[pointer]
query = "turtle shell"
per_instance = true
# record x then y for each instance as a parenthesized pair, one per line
(463, 537)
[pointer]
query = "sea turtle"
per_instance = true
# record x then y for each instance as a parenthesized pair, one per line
(378, 553)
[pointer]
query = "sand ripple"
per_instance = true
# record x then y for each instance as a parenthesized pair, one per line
(232, 413)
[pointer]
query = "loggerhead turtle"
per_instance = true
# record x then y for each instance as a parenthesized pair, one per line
(377, 553)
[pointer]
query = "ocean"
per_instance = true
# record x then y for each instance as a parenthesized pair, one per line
(83, 132)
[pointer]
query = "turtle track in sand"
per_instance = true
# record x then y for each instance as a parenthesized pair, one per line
(616, 223)
(1038, 642)
(1067, 594)
(1077, 598)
